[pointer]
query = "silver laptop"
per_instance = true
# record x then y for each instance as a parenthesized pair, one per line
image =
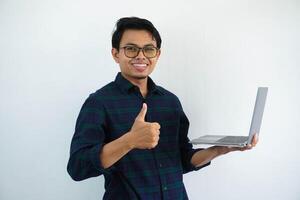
(239, 141)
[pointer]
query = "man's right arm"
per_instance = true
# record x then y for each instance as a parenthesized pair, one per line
(115, 150)
(90, 156)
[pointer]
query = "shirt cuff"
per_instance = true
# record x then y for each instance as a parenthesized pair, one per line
(195, 168)
(95, 159)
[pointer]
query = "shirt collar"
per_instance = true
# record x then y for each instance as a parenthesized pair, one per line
(127, 86)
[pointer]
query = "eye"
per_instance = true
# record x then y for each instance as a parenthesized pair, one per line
(131, 48)
(149, 49)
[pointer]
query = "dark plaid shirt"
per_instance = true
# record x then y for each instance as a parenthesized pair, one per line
(109, 113)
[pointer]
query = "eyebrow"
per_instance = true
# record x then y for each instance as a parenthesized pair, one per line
(132, 44)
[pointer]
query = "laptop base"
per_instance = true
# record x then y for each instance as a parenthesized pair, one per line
(222, 140)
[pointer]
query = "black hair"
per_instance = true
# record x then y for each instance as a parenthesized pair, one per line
(134, 23)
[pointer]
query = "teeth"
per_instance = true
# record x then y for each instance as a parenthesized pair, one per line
(139, 65)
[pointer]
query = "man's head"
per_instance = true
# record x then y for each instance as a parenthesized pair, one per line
(135, 47)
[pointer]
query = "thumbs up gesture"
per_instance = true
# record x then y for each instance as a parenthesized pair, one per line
(144, 135)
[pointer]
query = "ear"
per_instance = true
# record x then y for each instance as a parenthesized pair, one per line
(158, 54)
(115, 54)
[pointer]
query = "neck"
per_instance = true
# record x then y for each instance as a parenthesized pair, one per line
(141, 83)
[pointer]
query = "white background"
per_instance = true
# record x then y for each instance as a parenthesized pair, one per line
(54, 53)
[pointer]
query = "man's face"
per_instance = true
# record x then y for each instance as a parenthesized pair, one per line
(140, 66)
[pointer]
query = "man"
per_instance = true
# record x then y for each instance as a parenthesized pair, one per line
(133, 131)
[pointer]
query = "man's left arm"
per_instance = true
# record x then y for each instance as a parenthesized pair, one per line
(203, 157)
(186, 148)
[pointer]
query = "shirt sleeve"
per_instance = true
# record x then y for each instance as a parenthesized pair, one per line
(186, 148)
(87, 142)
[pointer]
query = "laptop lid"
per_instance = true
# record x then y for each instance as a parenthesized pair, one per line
(260, 102)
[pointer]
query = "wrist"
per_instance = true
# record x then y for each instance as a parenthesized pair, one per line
(127, 138)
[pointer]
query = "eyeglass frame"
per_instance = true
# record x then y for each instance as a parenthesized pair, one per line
(139, 50)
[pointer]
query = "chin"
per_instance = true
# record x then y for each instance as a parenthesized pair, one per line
(141, 77)
(137, 75)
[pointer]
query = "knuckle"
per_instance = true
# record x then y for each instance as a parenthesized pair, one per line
(148, 125)
(153, 144)
(153, 138)
(156, 125)
(150, 145)
(153, 130)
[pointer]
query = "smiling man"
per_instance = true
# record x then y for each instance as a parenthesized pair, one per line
(133, 131)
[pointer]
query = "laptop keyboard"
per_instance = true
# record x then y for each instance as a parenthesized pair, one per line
(233, 139)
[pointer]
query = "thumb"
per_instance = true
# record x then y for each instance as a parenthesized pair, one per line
(142, 114)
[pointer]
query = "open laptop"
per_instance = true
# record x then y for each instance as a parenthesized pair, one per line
(239, 141)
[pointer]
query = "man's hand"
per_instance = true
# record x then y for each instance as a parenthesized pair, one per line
(144, 135)
(224, 150)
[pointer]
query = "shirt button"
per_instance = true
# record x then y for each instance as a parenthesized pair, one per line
(160, 165)
(165, 188)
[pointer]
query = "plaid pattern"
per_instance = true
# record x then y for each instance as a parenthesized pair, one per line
(141, 174)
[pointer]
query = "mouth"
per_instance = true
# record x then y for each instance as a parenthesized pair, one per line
(140, 67)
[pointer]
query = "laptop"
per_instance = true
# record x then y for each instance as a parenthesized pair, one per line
(239, 141)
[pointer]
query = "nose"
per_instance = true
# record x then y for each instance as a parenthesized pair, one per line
(140, 55)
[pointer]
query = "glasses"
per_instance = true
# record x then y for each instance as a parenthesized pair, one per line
(133, 51)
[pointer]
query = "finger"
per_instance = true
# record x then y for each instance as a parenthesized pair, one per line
(254, 140)
(151, 145)
(141, 116)
(156, 125)
(247, 147)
